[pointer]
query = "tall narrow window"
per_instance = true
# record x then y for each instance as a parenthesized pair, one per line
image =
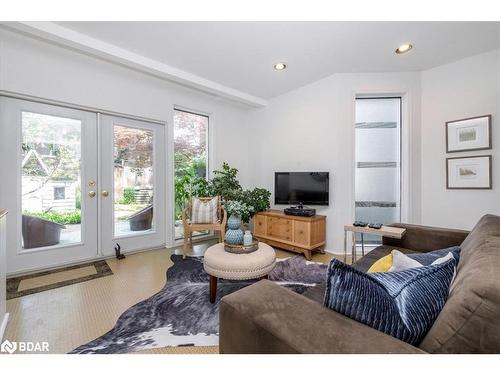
(190, 159)
(378, 162)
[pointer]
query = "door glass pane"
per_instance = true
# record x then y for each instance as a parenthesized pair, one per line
(190, 159)
(50, 180)
(133, 180)
(378, 144)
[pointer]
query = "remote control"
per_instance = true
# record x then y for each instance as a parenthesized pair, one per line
(375, 226)
(360, 224)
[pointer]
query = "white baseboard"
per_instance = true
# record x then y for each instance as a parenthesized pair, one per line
(334, 252)
(3, 327)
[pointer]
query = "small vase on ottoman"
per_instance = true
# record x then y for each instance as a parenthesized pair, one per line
(247, 238)
(234, 235)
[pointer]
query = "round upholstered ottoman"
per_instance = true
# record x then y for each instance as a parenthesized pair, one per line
(218, 263)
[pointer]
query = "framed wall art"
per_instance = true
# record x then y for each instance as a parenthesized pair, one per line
(469, 172)
(469, 134)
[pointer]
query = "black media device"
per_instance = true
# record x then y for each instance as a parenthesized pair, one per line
(301, 188)
(300, 211)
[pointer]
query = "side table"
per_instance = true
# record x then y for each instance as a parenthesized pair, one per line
(385, 231)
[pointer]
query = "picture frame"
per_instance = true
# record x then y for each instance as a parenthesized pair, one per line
(469, 134)
(469, 172)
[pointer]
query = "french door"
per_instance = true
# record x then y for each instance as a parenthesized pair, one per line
(77, 185)
(132, 195)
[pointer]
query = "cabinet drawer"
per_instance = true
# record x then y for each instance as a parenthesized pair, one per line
(259, 225)
(279, 228)
(301, 233)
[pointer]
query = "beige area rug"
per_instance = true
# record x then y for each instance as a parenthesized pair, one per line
(41, 281)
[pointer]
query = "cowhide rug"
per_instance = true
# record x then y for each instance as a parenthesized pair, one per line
(180, 314)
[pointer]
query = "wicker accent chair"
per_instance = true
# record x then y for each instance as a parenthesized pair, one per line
(189, 227)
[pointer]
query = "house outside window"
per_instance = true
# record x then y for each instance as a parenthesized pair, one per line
(59, 193)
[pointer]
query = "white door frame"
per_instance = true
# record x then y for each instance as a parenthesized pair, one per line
(5, 193)
(25, 260)
(172, 241)
(406, 124)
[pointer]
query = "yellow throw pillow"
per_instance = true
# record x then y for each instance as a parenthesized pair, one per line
(382, 265)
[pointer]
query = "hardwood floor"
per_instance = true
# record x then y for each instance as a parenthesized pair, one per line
(73, 315)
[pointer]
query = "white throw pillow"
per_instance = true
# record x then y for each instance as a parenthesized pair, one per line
(401, 262)
(443, 259)
(204, 212)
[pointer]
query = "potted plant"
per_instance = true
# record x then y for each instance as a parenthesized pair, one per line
(236, 211)
(257, 199)
(225, 183)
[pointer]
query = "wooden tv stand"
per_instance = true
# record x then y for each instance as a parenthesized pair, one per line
(294, 233)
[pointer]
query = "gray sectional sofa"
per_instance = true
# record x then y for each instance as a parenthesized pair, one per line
(267, 318)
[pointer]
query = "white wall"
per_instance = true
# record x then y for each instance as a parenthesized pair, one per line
(465, 88)
(37, 68)
(312, 128)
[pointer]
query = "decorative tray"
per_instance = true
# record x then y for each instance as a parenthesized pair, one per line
(241, 249)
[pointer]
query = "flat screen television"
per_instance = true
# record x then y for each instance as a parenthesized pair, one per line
(308, 188)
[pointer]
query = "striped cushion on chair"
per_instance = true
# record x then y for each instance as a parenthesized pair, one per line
(402, 304)
(204, 211)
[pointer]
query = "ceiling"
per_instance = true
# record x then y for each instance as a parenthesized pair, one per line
(240, 55)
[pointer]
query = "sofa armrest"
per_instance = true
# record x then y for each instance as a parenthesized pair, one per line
(424, 239)
(267, 318)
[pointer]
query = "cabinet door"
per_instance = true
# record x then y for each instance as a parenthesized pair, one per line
(279, 228)
(259, 225)
(301, 233)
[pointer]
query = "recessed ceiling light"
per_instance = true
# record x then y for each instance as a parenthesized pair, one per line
(403, 48)
(280, 66)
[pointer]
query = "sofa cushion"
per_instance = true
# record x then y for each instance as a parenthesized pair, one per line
(367, 261)
(384, 264)
(432, 256)
(470, 319)
(401, 261)
(268, 318)
(401, 304)
(317, 292)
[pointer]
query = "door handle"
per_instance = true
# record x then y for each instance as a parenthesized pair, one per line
(92, 194)
(104, 193)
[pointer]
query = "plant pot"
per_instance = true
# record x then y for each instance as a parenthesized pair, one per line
(40, 232)
(141, 220)
(234, 235)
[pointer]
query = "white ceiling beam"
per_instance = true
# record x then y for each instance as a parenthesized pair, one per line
(95, 47)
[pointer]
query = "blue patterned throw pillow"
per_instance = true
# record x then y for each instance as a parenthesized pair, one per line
(429, 257)
(402, 304)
